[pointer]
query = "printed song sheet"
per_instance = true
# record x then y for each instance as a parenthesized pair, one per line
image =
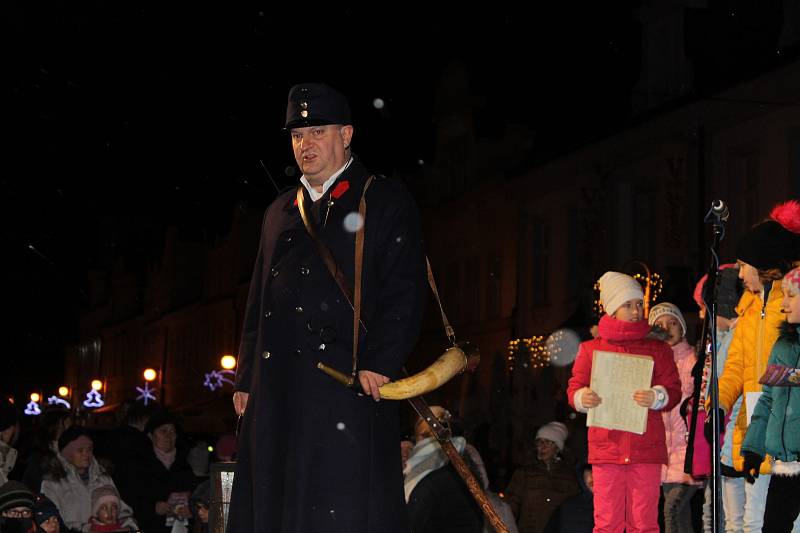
(615, 377)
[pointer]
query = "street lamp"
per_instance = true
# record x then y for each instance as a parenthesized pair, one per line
(97, 384)
(35, 397)
(150, 374)
(63, 391)
(228, 362)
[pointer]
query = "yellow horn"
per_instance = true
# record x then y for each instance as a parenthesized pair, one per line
(450, 363)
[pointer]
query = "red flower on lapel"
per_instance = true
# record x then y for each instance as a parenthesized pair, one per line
(340, 189)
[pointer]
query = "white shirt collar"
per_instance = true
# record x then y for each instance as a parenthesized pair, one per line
(312, 192)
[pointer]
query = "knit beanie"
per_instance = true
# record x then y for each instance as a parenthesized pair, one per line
(774, 243)
(104, 494)
(15, 494)
(43, 509)
(729, 290)
(555, 432)
(616, 289)
(8, 414)
(666, 308)
(159, 419)
(791, 282)
(72, 434)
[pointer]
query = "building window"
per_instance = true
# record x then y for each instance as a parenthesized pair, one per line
(472, 289)
(494, 268)
(541, 263)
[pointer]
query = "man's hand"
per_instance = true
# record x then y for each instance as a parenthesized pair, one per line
(370, 382)
(644, 398)
(590, 399)
(240, 402)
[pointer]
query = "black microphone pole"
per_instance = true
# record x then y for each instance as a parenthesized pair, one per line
(717, 216)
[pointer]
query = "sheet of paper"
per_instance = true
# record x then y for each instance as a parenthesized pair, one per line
(751, 399)
(615, 377)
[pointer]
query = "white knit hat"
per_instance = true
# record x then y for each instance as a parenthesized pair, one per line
(616, 289)
(555, 432)
(666, 308)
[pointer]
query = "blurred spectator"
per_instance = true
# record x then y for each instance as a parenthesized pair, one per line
(71, 486)
(438, 499)
(44, 448)
(226, 448)
(536, 491)
(16, 504)
(199, 501)
(46, 516)
(9, 430)
(198, 458)
(164, 479)
(576, 514)
(406, 445)
(129, 448)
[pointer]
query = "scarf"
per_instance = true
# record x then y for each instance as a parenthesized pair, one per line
(426, 456)
(166, 458)
(621, 331)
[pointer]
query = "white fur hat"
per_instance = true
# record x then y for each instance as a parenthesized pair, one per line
(616, 289)
(555, 432)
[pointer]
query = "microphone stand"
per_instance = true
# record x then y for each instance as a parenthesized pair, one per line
(718, 233)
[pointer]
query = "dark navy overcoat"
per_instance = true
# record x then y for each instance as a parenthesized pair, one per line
(313, 455)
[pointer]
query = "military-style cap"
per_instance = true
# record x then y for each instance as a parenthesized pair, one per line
(316, 104)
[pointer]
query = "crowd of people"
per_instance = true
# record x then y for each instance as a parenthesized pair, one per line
(142, 476)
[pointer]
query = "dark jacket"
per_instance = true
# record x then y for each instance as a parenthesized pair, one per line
(314, 456)
(154, 483)
(536, 491)
(575, 514)
(441, 503)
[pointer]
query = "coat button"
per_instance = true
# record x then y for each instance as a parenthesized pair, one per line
(268, 314)
(305, 271)
(298, 352)
(266, 355)
(287, 237)
(274, 272)
(298, 309)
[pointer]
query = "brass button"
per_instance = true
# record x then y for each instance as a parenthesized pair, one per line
(305, 271)
(268, 314)
(274, 272)
(266, 355)
(298, 309)
(298, 352)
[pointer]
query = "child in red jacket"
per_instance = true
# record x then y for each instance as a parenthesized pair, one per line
(626, 466)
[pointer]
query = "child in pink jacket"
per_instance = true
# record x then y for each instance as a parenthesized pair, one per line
(626, 466)
(678, 486)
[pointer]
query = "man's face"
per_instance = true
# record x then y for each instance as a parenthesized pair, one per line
(749, 276)
(588, 478)
(320, 150)
(670, 325)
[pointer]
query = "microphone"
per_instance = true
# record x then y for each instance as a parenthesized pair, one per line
(720, 210)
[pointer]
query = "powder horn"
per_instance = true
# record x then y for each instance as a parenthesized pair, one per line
(452, 362)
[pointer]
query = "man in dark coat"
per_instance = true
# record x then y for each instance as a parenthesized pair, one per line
(313, 455)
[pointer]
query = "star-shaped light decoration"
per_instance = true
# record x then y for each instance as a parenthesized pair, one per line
(55, 400)
(93, 399)
(216, 379)
(146, 393)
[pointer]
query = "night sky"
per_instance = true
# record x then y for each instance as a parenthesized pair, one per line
(126, 117)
